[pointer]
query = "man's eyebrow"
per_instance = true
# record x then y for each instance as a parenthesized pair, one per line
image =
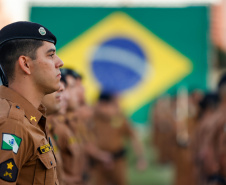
(51, 50)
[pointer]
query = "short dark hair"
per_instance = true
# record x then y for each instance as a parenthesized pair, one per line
(222, 81)
(106, 97)
(70, 72)
(13, 49)
(63, 79)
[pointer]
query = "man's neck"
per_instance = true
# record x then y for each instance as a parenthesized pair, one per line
(28, 92)
(223, 104)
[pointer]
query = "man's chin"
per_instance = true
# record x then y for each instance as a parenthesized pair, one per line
(53, 89)
(57, 87)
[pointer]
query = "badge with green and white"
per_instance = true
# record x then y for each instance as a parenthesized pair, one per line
(11, 142)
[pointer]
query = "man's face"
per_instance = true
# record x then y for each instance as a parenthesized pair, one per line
(80, 91)
(222, 92)
(53, 101)
(107, 108)
(64, 102)
(85, 112)
(45, 68)
(72, 92)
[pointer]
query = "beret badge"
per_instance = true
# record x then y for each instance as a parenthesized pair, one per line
(42, 31)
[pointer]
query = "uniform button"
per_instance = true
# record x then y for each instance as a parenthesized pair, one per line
(51, 162)
(17, 107)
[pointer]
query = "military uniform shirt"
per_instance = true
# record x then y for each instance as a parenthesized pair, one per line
(77, 126)
(70, 150)
(57, 152)
(26, 157)
(111, 132)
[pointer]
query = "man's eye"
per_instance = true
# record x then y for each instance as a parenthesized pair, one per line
(51, 55)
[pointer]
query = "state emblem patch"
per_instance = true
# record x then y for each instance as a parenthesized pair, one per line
(11, 142)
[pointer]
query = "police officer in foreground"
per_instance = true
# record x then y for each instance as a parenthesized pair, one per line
(29, 71)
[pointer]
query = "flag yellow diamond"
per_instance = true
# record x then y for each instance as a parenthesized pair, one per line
(167, 65)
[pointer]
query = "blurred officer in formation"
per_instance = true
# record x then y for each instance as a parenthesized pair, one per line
(29, 71)
(173, 132)
(208, 107)
(164, 129)
(53, 103)
(211, 153)
(111, 128)
(187, 112)
(78, 118)
(66, 141)
(200, 137)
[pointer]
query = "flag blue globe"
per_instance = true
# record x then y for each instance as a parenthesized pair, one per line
(118, 64)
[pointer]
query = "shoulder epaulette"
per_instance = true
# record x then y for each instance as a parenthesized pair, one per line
(16, 112)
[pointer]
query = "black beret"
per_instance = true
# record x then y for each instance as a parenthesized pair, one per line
(26, 30)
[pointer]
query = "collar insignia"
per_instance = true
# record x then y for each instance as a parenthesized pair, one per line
(33, 118)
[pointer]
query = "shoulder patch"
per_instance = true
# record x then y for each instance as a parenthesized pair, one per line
(44, 149)
(10, 142)
(8, 171)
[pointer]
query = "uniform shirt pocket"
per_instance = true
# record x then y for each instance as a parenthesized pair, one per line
(48, 160)
(45, 172)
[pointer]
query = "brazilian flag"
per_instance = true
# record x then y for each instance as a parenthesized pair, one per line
(138, 53)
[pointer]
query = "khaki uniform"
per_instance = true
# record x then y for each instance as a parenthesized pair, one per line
(53, 137)
(72, 119)
(198, 146)
(163, 133)
(186, 124)
(70, 151)
(85, 136)
(79, 131)
(212, 152)
(26, 155)
(110, 135)
(183, 159)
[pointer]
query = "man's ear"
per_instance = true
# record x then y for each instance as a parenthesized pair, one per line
(24, 63)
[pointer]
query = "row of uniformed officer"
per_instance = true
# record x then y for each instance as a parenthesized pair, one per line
(30, 141)
(196, 147)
